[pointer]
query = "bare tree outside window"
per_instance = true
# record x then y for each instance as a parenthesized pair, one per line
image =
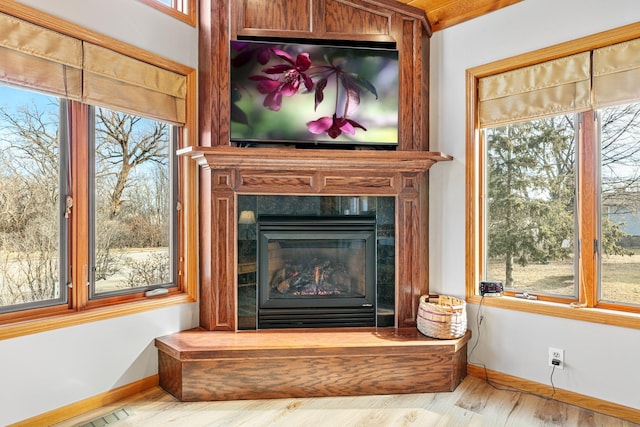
(132, 221)
(132, 197)
(29, 197)
(620, 203)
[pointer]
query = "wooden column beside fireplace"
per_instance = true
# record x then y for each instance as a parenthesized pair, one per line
(217, 360)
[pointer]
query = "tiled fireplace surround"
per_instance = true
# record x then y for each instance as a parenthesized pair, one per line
(228, 173)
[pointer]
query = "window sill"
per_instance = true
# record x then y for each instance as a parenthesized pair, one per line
(44, 324)
(595, 315)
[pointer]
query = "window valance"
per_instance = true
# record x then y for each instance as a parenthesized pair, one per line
(616, 74)
(51, 62)
(592, 79)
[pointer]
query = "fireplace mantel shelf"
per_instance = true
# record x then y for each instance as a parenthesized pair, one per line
(224, 157)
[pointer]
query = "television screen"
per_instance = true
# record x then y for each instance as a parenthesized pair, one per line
(302, 93)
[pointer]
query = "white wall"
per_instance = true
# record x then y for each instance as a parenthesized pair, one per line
(130, 21)
(601, 361)
(46, 371)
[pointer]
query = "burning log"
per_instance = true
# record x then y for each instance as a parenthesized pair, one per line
(324, 278)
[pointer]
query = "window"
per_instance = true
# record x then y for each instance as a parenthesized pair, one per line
(32, 226)
(91, 189)
(132, 184)
(554, 160)
(184, 10)
(530, 208)
(619, 222)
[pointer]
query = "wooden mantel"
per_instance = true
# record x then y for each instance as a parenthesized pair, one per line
(222, 157)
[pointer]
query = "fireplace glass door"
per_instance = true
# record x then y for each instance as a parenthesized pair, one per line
(316, 271)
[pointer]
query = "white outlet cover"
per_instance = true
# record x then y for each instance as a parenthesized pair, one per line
(556, 353)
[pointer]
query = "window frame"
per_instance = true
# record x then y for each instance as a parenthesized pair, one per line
(174, 284)
(177, 9)
(78, 308)
(586, 307)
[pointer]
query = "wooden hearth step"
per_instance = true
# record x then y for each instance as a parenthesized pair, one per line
(199, 365)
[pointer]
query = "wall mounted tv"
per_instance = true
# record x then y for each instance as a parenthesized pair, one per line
(294, 93)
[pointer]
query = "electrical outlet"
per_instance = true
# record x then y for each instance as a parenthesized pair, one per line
(556, 354)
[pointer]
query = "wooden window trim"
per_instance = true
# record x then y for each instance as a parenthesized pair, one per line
(79, 309)
(590, 310)
(188, 17)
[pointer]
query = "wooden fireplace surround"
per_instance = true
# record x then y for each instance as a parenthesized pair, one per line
(191, 361)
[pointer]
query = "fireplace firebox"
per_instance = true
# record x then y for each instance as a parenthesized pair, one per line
(316, 271)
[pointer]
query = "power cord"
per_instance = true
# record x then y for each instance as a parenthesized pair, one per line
(479, 320)
(551, 379)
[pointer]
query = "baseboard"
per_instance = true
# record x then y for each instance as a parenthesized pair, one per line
(572, 398)
(89, 404)
(544, 390)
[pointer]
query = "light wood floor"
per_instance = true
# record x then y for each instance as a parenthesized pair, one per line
(473, 403)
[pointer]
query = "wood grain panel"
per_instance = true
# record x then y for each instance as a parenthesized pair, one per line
(206, 297)
(267, 181)
(309, 376)
(407, 243)
(308, 160)
(408, 68)
(296, 363)
(588, 217)
(309, 171)
(353, 17)
(445, 13)
(223, 303)
(464, 10)
(221, 127)
(285, 15)
(361, 185)
(171, 379)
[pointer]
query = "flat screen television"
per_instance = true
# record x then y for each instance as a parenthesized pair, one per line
(294, 93)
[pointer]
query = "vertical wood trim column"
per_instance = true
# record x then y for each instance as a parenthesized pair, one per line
(79, 190)
(213, 65)
(223, 211)
(411, 248)
(217, 305)
(588, 218)
(206, 298)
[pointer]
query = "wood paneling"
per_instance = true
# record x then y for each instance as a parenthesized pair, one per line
(228, 171)
(356, 17)
(223, 304)
(296, 363)
(283, 15)
(445, 13)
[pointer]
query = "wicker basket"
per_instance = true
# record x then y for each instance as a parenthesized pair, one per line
(444, 319)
